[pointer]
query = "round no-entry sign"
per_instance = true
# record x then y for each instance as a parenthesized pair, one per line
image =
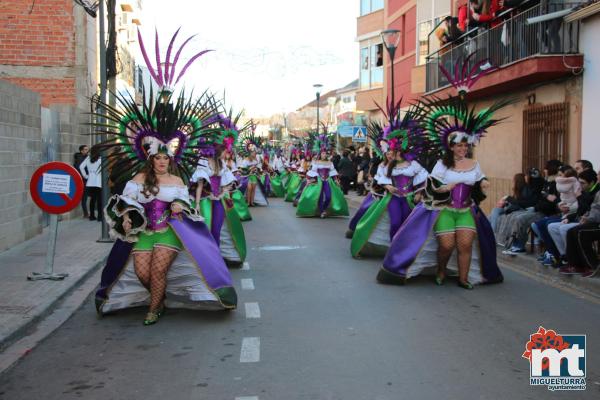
(56, 187)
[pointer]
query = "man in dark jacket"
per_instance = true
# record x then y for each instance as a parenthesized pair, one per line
(581, 257)
(346, 171)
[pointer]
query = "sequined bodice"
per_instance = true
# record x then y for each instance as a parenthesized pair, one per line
(157, 213)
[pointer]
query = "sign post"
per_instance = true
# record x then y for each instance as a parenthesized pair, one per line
(359, 134)
(56, 188)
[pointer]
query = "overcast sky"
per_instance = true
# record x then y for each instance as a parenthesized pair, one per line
(268, 54)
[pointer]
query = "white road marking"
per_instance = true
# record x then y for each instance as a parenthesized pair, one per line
(278, 248)
(247, 284)
(250, 350)
(247, 398)
(252, 310)
(246, 266)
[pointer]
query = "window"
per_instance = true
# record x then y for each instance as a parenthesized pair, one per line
(429, 15)
(371, 66)
(364, 68)
(377, 64)
(423, 32)
(369, 6)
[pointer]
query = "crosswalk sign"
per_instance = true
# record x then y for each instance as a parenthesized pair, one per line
(359, 134)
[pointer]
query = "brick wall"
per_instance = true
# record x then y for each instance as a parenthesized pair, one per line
(39, 39)
(52, 91)
(20, 155)
(37, 33)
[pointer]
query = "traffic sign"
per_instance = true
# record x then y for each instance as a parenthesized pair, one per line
(56, 187)
(359, 134)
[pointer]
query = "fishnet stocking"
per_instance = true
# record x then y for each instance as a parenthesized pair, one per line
(446, 243)
(161, 261)
(464, 244)
(141, 263)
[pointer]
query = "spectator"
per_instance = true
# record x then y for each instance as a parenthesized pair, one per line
(518, 200)
(558, 230)
(487, 12)
(581, 256)
(363, 172)
(448, 31)
(77, 160)
(530, 195)
(566, 185)
(90, 169)
(346, 171)
(546, 206)
(582, 165)
(569, 188)
(336, 159)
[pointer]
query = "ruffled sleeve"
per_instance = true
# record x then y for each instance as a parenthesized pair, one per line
(200, 173)
(182, 196)
(313, 171)
(332, 171)
(380, 176)
(420, 174)
(439, 172)
(479, 175)
(127, 203)
(227, 177)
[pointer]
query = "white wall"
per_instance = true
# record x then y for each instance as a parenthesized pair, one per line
(590, 129)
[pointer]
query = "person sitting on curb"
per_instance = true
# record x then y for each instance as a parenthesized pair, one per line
(581, 257)
(558, 230)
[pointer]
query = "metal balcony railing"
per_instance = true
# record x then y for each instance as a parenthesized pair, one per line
(510, 41)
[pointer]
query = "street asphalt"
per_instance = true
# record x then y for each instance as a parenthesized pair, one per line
(313, 323)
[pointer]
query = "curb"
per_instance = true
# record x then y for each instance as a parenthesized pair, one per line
(587, 287)
(21, 331)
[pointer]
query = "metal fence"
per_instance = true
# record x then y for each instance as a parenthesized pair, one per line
(510, 41)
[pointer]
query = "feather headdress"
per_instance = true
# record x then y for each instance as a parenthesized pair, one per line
(402, 133)
(452, 120)
(165, 74)
(175, 125)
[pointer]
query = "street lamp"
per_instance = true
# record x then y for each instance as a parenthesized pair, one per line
(391, 38)
(331, 102)
(318, 87)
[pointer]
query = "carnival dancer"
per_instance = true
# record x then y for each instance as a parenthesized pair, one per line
(214, 183)
(238, 198)
(322, 195)
(266, 172)
(449, 216)
(276, 166)
(294, 178)
(305, 166)
(164, 254)
(402, 177)
(251, 169)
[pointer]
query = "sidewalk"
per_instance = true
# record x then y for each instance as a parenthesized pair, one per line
(527, 264)
(24, 302)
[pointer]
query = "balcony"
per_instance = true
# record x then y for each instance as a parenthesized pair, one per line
(525, 53)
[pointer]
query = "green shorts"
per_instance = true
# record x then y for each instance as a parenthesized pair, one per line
(451, 220)
(148, 241)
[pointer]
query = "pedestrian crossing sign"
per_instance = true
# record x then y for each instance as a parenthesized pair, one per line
(359, 134)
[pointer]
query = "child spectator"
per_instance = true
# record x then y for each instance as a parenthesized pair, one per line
(569, 188)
